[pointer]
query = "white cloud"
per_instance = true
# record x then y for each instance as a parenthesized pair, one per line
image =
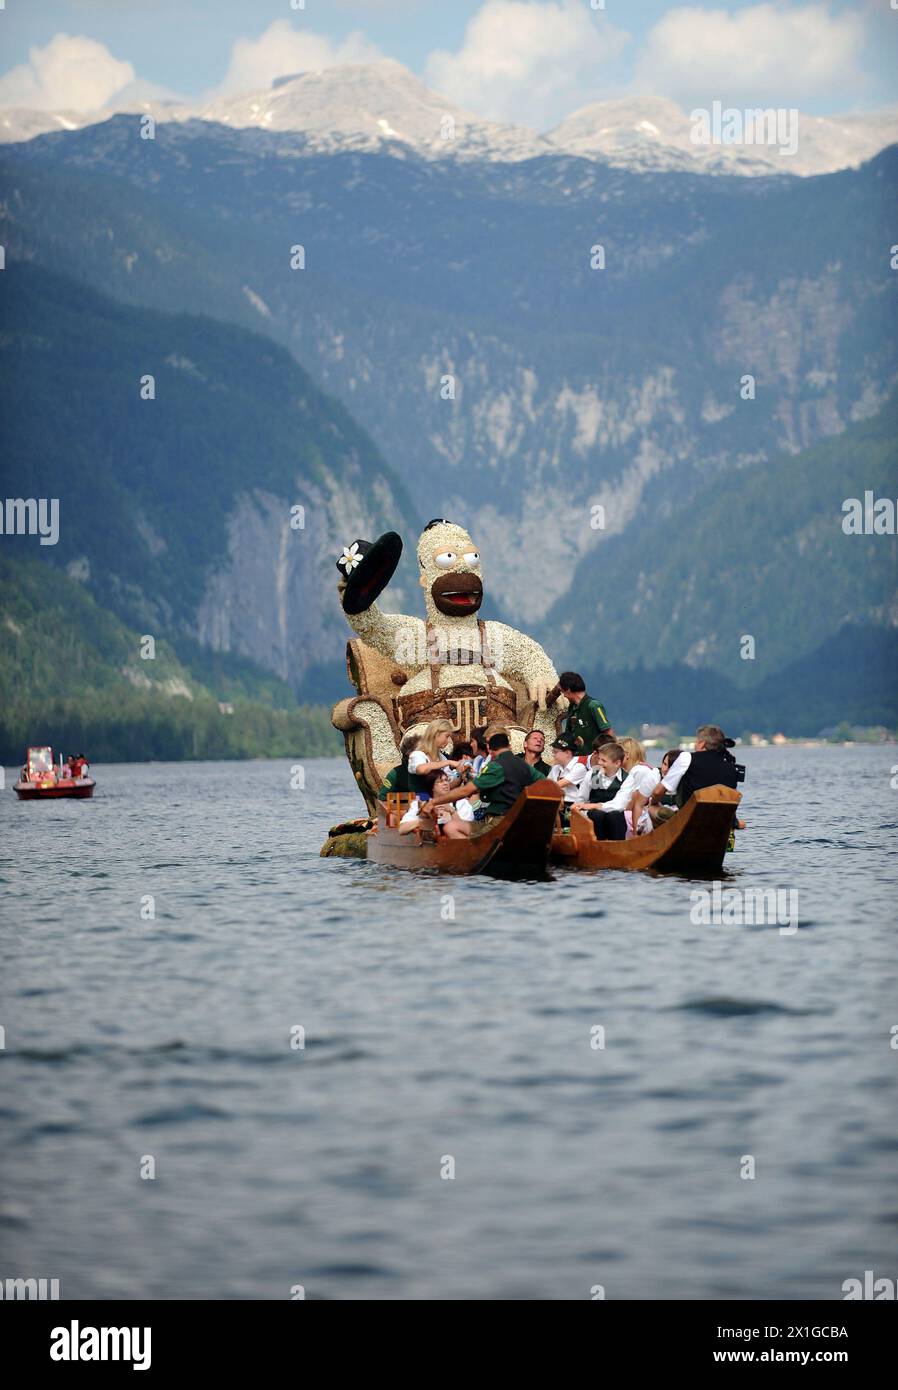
(766, 53)
(378, 5)
(71, 73)
(528, 63)
(282, 50)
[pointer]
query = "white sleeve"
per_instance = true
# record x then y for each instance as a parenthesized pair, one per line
(674, 773)
(621, 801)
(411, 813)
(576, 772)
(465, 809)
(647, 779)
(416, 759)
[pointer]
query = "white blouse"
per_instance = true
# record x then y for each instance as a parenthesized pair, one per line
(463, 806)
(674, 774)
(575, 772)
(640, 778)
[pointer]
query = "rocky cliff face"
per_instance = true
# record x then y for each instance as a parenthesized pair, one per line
(272, 596)
(214, 511)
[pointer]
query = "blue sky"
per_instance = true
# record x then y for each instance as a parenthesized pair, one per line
(530, 61)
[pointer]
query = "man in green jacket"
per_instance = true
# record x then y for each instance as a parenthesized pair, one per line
(498, 785)
(586, 718)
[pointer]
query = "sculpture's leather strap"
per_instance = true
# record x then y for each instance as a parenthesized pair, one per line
(486, 654)
(433, 660)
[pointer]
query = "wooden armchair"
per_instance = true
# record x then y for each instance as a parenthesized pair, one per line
(397, 805)
(367, 720)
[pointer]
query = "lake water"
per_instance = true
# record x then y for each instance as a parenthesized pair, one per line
(430, 1037)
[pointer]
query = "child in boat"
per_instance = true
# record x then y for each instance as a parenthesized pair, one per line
(451, 818)
(598, 786)
(462, 757)
(662, 809)
(479, 750)
(625, 815)
(567, 770)
(568, 773)
(397, 779)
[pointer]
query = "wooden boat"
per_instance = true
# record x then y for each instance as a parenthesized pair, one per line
(43, 781)
(693, 841)
(518, 844)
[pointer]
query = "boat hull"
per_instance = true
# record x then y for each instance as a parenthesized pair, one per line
(693, 841)
(26, 791)
(518, 844)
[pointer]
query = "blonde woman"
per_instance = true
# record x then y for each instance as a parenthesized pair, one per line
(431, 755)
(634, 752)
(624, 815)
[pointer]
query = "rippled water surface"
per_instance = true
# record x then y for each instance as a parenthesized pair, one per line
(430, 1035)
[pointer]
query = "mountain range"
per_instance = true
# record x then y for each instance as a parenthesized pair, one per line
(647, 391)
(381, 107)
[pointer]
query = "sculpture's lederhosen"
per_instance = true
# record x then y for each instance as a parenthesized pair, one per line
(467, 707)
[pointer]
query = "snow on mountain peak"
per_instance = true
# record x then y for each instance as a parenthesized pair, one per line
(367, 105)
(382, 107)
(653, 133)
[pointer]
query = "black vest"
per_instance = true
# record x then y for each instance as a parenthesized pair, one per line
(707, 769)
(600, 794)
(517, 776)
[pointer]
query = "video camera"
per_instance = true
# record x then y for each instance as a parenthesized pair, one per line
(740, 767)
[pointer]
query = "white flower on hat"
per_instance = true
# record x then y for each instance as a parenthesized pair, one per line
(350, 557)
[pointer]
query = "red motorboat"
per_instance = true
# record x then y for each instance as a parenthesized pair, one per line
(41, 780)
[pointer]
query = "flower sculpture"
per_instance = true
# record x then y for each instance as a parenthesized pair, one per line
(452, 664)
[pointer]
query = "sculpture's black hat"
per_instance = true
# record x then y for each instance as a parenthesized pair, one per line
(368, 567)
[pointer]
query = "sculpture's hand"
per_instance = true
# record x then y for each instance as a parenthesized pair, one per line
(538, 690)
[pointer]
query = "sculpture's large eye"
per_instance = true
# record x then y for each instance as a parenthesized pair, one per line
(472, 557)
(446, 560)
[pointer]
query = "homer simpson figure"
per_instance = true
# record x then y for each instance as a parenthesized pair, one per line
(458, 667)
